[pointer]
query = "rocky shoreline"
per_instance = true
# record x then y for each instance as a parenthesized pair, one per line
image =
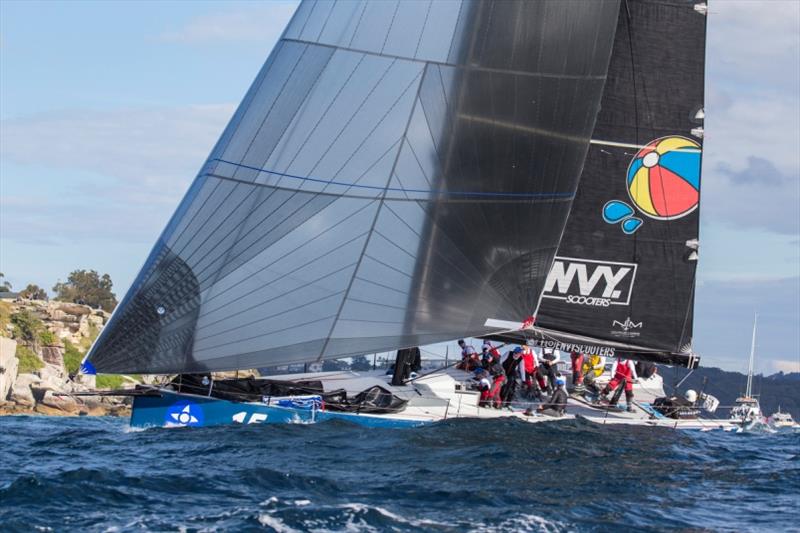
(34, 377)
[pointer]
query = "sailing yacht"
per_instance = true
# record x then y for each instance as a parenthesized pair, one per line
(407, 173)
(747, 411)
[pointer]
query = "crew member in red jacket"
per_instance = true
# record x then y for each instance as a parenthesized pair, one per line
(530, 364)
(623, 370)
(577, 369)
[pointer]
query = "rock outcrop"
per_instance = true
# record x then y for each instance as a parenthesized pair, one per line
(8, 366)
(48, 390)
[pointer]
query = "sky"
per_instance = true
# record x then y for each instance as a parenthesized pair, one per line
(108, 109)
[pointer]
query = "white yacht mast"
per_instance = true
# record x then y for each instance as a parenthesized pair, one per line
(748, 393)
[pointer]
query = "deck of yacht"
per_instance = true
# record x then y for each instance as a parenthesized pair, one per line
(448, 393)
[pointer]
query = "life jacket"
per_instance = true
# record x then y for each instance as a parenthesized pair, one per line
(548, 356)
(624, 370)
(593, 365)
(492, 350)
(527, 358)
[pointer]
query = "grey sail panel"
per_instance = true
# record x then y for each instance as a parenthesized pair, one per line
(397, 173)
(625, 270)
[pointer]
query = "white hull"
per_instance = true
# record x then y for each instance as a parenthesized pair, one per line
(445, 395)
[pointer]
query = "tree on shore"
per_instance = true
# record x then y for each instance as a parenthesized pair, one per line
(5, 286)
(87, 287)
(360, 363)
(33, 292)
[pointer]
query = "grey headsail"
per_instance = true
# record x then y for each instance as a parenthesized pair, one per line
(397, 173)
(624, 276)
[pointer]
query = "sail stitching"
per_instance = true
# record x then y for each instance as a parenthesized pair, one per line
(241, 226)
(305, 243)
(444, 63)
(421, 78)
(392, 189)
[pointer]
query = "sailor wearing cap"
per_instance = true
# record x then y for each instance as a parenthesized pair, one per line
(557, 403)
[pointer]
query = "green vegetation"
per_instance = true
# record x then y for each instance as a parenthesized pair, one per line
(87, 287)
(86, 342)
(27, 327)
(109, 381)
(48, 338)
(33, 292)
(5, 317)
(72, 357)
(5, 286)
(28, 360)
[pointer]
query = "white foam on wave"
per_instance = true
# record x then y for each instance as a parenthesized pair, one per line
(363, 508)
(266, 519)
(132, 429)
(525, 522)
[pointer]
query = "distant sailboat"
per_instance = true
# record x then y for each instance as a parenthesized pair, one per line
(747, 411)
(407, 173)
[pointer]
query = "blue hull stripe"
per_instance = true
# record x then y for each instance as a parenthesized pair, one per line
(178, 410)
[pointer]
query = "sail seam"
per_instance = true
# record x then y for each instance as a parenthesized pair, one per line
(306, 243)
(379, 188)
(456, 65)
(421, 79)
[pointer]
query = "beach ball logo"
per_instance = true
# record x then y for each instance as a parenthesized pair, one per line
(183, 413)
(663, 183)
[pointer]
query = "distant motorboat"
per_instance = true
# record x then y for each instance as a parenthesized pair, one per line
(782, 420)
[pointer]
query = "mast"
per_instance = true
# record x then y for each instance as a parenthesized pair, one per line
(748, 392)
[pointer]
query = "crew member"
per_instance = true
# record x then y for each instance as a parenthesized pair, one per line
(577, 368)
(530, 363)
(469, 358)
(547, 367)
(484, 386)
(623, 371)
(514, 369)
(498, 378)
(487, 347)
(557, 403)
(593, 368)
(488, 357)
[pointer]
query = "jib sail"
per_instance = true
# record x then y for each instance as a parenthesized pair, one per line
(397, 173)
(624, 275)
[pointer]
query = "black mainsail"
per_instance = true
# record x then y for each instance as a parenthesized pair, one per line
(397, 173)
(623, 280)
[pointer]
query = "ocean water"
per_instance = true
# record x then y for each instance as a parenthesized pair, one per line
(95, 474)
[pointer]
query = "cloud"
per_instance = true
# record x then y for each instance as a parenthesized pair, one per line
(144, 146)
(758, 171)
(263, 23)
(724, 321)
(756, 196)
(751, 159)
(752, 42)
(127, 169)
(785, 366)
